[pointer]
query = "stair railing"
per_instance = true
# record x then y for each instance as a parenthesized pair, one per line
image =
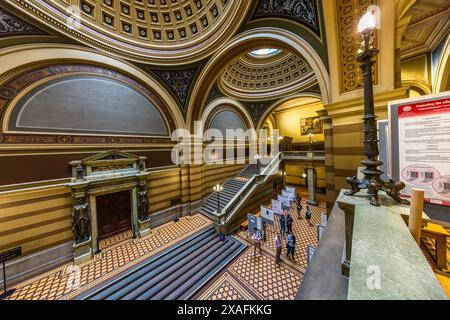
(228, 211)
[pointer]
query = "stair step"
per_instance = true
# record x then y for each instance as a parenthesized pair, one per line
(195, 275)
(142, 270)
(151, 283)
(176, 273)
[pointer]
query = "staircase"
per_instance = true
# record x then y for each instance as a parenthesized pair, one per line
(230, 188)
(175, 274)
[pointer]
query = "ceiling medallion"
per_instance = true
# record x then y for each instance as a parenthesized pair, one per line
(155, 31)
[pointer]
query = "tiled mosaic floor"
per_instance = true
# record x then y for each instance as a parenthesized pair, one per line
(304, 234)
(250, 278)
(119, 238)
(67, 281)
(259, 278)
(226, 288)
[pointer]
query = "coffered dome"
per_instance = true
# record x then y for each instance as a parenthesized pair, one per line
(266, 74)
(162, 31)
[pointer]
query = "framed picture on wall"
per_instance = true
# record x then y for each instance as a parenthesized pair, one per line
(311, 125)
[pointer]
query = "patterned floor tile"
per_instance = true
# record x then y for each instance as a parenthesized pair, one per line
(226, 288)
(304, 234)
(119, 238)
(265, 278)
(68, 281)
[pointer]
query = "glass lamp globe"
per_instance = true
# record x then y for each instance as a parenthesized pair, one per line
(367, 22)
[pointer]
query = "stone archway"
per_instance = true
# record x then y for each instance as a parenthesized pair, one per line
(245, 42)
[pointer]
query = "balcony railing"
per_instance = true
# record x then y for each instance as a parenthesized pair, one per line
(304, 155)
(228, 211)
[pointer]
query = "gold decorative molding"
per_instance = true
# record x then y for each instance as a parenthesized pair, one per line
(351, 111)
(349, 12)
(153, 31)
(13, 60)
(426, 24)
(248, 78)
(246, 42)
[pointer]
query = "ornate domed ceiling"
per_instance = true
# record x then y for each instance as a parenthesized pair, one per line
(154, 31)
(255, 76)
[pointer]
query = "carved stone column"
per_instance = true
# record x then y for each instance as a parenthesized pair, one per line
(311, 176)
(329, 158)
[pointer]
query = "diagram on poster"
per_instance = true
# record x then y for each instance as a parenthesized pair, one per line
(424, 148)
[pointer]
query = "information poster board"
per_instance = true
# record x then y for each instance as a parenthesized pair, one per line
(268, 215)
(284, 201)
(310, 249)
(276, 206)
(383, 134)
(320, 231)
(323, 220)
(290, 192)
(251, 223)
(420, 145)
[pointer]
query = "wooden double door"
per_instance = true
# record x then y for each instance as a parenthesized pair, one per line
(113, 213)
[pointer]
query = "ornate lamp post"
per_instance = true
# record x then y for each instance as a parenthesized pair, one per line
(372, 173)
(310, 136)
(218, 188)
(257, 157)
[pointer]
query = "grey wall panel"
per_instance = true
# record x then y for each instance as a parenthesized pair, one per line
(228, 120)
(87, 104)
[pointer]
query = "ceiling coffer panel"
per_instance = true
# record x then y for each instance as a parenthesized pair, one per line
(252, 78)
(153, 31)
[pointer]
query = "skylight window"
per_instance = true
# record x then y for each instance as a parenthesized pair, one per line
(264, 52)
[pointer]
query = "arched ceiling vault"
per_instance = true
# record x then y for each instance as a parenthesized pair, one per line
(246, 42)
(163, 32)
(251, 78)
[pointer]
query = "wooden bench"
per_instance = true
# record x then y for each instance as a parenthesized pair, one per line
(439, 234)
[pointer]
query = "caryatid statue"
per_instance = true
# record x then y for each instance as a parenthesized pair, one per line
(81, 220)
(143, 203)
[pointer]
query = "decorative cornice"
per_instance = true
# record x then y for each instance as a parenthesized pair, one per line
(175, 32)
(355, 106)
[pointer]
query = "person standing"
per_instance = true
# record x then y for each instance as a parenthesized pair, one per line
(278, 248)
(289, 245)
(289, 222)
(308, 215)
(257, 238)
(292, 244)
(282, 225)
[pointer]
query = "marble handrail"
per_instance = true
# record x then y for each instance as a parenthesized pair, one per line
(385, 262)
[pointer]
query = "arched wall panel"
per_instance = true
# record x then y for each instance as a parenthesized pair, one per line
(87, 104)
